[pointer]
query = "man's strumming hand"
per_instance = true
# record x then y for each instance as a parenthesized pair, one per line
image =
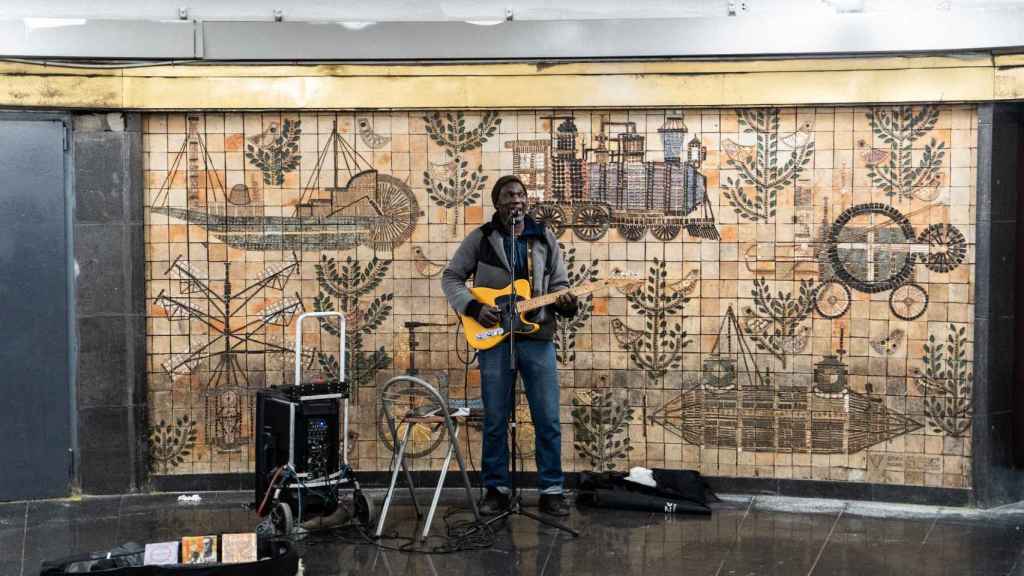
(488, 316)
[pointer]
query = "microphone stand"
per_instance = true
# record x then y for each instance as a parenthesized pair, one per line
(515, 504)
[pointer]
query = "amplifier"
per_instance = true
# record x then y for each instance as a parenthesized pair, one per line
(297, 428)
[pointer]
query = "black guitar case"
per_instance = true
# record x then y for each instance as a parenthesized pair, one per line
(677, 492)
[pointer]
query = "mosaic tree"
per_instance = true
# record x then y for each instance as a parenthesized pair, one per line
(602, 428)
(275, 151)
(659, 346)
(754, 194)
(565, 335)
(343, 288)
(947, 383)
(171, 443)
(776, 322)
(892, 167)
(454, 185)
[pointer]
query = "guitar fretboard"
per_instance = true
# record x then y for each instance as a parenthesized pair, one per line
(582, 289)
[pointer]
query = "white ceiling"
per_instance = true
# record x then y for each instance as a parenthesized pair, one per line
(475, 10)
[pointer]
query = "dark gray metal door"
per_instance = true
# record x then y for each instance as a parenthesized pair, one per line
(35, 392)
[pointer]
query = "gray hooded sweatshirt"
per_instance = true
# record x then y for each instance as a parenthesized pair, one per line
(482, 256)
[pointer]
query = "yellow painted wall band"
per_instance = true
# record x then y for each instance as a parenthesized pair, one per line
(800, 82)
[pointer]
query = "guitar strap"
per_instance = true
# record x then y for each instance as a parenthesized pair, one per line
(529, 271)
(529, 264)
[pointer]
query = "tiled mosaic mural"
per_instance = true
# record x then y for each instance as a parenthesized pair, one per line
(804, 311)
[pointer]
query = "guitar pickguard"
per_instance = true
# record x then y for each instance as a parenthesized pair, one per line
(510, 321)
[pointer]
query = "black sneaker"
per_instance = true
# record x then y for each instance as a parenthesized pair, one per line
(554, 504)
(494, 502)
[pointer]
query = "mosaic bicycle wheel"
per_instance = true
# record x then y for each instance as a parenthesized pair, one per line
(908, 302)
(947, 247)
(832, 300)
(870, 247)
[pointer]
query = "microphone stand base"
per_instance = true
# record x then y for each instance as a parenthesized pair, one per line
(516, 507)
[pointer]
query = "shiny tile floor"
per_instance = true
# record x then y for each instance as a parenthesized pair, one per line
(745, 536)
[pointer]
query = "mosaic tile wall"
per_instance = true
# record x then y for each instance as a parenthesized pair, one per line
(802, 311)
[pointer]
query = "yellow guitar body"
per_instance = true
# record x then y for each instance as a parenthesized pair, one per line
(512, 317)
(482, 338)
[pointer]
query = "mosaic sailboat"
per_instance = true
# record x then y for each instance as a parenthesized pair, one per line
(371, 209)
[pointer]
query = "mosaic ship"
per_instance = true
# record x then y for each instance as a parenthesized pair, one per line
(371, 209)
(736, 406)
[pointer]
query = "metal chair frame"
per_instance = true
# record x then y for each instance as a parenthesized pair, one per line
(443, 416)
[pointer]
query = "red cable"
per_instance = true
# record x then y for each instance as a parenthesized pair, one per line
(259, 511)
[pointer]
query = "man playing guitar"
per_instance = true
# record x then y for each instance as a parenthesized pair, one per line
(485, 255)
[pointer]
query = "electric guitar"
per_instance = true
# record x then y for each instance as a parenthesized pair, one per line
(512, 315)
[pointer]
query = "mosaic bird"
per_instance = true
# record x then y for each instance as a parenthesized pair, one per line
(626, 336)
(874, 156)
(755, 324)
(442, 171)
(627, 288)
(796, 343)
(800, 137)
(888, 345)
(686, 284)
(353, 318)
(737, 152)
(424, 266)
(928, 191)
(369, 137)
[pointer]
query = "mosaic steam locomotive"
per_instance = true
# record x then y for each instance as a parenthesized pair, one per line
(614, 185)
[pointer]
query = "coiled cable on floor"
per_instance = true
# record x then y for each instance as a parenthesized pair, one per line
(459, 537)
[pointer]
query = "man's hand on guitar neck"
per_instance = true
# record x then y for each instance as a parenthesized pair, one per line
(567, 304)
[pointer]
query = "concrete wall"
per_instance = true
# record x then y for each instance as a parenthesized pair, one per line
(997, 476)
(108, 231)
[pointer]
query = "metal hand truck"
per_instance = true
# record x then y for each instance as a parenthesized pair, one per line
(305, 490)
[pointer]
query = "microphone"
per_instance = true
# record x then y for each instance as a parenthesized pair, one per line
(516, 216)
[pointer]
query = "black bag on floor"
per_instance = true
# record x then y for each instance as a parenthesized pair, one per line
(677, 492)
(126, 560)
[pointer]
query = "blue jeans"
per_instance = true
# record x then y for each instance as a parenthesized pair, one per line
(536, 362)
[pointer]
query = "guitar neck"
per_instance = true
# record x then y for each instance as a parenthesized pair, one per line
(581, 290)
